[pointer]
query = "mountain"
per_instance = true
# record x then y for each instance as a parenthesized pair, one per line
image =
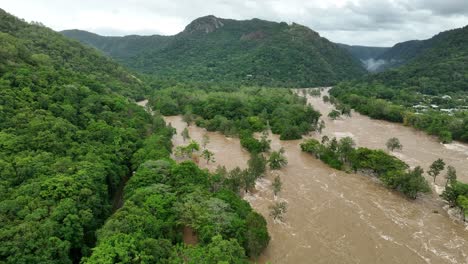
(225, 50)
(86, 174)
(67, 136)
(429, 91)
(367, 55)
(120, 48)
(36, 44)
(433, 66)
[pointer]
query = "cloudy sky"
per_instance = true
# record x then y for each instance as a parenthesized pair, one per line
(363, 22)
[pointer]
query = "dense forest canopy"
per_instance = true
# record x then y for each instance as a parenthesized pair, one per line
(70, 136)
(251, 52)
(239, 111)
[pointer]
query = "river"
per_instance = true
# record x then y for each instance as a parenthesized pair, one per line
(335, 217)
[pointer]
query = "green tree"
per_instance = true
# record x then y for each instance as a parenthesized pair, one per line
(435, 168)
(277, 159)
(185, 134)
(257, 236)
(345, 148)
(451, 175)
(393, 143)
(278, 210)
(277, 185)
(208, 156)
(257, 165)
(205, 140)
(334, 114)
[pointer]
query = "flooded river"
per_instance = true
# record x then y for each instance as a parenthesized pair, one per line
(334, 217)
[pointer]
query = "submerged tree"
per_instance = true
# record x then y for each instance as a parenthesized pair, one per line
(278, 210)
(208, 156)
(277, 185)
(185, 134)
(393, 143)
(205, 140)
(257, 165)
(451, 175)
(436, 167)
(277, 159)
(334, 114)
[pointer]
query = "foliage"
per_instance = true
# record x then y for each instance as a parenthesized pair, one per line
(393, 143)
(456, 194)
(451, 175)
(436, 167)
(277, 184)
(278, 210)
(435, 78)
(277, 159)
(240, 111)
(208, 156)
(185, 134)
(334, 114)
(250, 52)
(391, 171)
(67, 141)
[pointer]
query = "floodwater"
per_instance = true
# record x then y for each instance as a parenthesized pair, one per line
(335, 217)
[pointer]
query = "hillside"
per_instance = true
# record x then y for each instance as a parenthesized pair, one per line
(224, 50)
(66, 142)
(69, 141)
(433, 83)
(120, 48)
(367, 55)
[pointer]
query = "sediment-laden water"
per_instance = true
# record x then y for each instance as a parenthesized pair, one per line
(335, 217)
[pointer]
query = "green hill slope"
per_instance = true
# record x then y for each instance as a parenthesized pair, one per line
(66, 142)
(434, 83)
(223, 50)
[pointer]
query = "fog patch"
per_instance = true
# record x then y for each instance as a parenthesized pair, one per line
(373, 65)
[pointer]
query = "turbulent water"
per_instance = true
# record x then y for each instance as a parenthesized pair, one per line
(334, 217)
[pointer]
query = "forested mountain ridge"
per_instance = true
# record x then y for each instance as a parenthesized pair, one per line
(434, 84)
(34, 43)
(66, 142)
(405, 52)
(249, 52)
(119, 48)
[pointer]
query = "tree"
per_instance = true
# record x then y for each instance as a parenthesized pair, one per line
(277, 160)
(345, 110)
(320, 126)
(205, 140)
(451, 175)
(462, 202)
(345, 148)
(277, 184)
(257, 165)
(325, 139)
(256, 235)
(334, 114)
(248, 179)
(208, 156)
(393, 143)
(435, 168)
(278, 210)
(185, 134)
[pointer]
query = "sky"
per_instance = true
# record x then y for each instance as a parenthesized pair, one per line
(357, 22)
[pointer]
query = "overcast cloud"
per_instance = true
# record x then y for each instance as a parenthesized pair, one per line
(358, 22)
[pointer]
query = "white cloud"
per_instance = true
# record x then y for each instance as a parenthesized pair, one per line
(371, 22)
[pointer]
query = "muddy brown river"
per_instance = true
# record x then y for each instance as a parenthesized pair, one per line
(335, 217)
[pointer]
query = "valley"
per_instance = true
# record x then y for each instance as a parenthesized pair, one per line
(200, 146)
(348, 218)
